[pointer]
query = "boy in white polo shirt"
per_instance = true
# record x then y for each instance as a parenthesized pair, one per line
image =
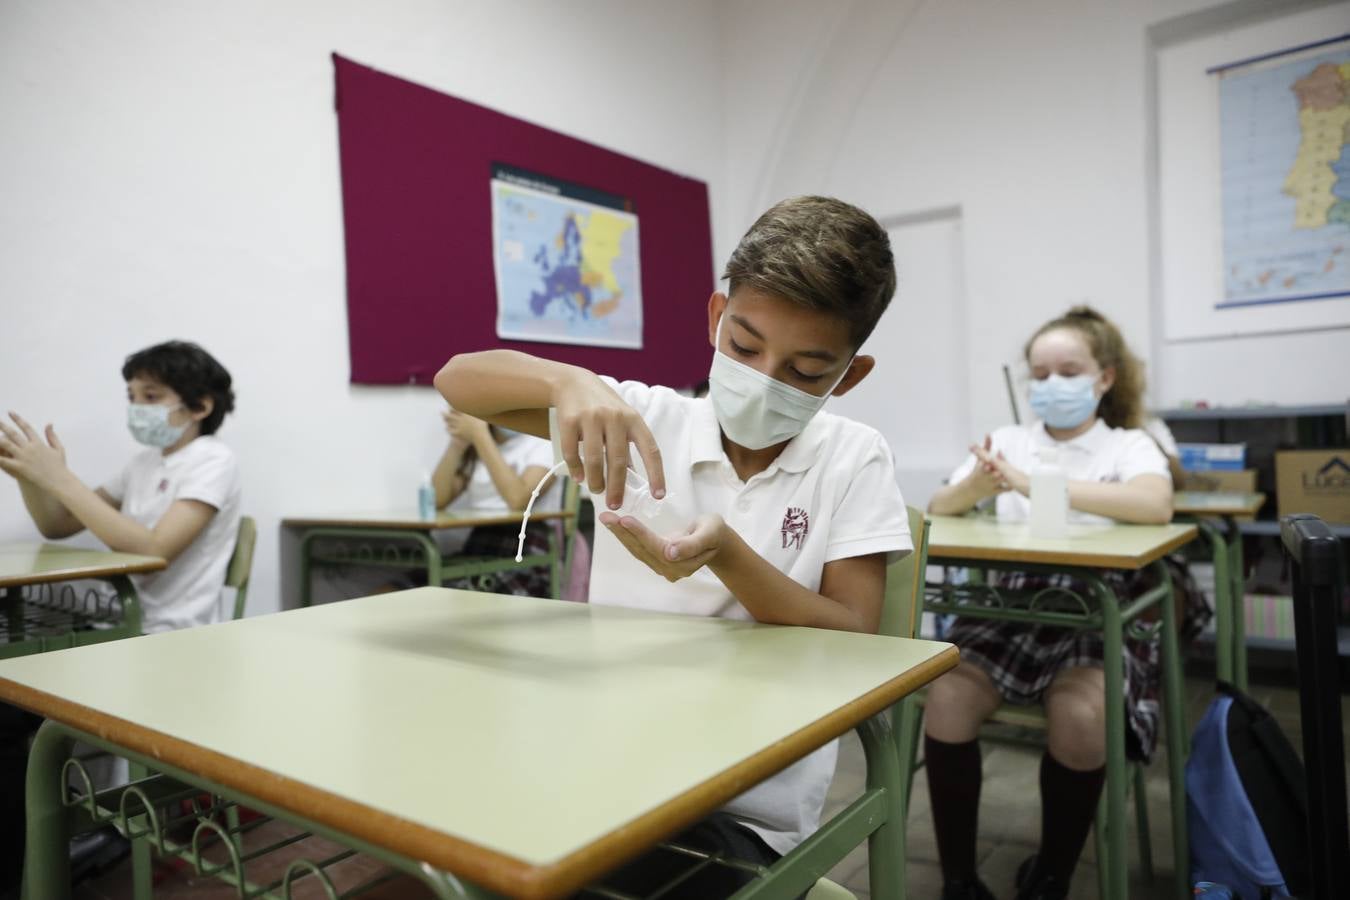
(792, 515)
(178, 499)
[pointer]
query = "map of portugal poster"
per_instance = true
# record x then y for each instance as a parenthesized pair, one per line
(1285, 134)
(566, 262)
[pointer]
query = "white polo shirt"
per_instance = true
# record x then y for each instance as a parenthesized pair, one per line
(187, 593)
(831, 494)
(520, 452)
(1101, 453)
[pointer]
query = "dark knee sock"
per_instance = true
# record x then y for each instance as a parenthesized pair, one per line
(954, 774)
(1068, 804)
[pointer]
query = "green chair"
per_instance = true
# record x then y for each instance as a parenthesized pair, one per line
(899, 618)
(241, 563)
(1021, 720)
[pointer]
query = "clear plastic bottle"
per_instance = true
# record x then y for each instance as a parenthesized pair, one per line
(1049, 496)
(426, 499)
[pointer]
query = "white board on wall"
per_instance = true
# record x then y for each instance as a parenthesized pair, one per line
(1190, 204)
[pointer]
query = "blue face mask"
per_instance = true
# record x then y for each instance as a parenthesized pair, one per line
(1064, 402)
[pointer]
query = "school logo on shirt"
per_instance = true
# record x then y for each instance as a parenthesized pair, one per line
(163, 485)
(796, 526)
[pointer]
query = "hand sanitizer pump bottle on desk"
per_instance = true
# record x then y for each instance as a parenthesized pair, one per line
(426, 499)
(1049, 496)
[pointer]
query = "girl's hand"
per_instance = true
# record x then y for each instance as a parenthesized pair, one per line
(465, 428)
(671, 559)
(25, 456)
(985, 480)
(1010, 477)
(596, 428)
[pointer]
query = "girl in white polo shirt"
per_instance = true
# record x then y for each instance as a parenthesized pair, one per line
(1087, 389)
(488, 469)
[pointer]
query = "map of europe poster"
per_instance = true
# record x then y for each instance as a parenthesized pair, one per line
(566, 263)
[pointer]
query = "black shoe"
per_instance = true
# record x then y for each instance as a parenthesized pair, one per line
(960, 889)
(95, 852)
(1032, 884)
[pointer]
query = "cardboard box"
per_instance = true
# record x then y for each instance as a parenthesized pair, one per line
(1314, 481)
(1212, 457)
(1242, 482)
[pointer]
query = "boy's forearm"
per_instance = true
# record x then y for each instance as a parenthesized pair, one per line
(52, 519)
(119, 532)
(772, 597)
(493, 382)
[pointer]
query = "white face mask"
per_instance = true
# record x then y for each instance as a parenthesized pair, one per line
(755, 410)
(149, 424)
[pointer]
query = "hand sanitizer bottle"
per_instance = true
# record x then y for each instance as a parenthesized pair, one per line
(1049, 496)
(426, 499)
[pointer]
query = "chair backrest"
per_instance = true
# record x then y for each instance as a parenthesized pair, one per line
(241, 563)
(904, 583)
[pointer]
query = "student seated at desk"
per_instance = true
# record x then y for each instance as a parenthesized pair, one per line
(1087, 388)
(488, 468)
(791, 514)
(177, 499)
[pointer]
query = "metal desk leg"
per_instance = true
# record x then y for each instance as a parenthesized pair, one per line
(1177, 739)
(13, 600)
(46, 868)
(1116, 880)
(306, 568)
(1226, 608)
(886, 845)
(1238, 592)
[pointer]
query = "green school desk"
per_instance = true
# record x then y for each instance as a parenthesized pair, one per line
(399, 540)
(487, 744)
(41, 614)
(1230, 581)
(983, 543)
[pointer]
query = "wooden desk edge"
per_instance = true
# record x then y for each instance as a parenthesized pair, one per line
(939, 553)
(414, 524)
(573, 872)
(1258, 500)
(485, 867)
(141, 568)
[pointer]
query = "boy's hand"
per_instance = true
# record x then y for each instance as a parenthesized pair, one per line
(25, 456)
(671, 559)
(592, 415)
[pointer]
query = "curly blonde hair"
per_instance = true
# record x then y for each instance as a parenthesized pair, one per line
(1123, 405)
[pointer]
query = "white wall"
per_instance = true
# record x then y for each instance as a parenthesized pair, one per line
(171, 170)
(1030, 117)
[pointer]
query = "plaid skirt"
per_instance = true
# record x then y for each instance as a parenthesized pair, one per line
(1022, 660)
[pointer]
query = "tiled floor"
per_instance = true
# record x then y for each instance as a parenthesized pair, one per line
(1009, 829)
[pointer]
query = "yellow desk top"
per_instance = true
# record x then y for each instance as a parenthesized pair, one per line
(1094, 546)
(1217, 503)
(34, 563)
(526, 745)
(408, 520)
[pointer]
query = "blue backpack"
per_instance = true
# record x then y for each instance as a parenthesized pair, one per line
(1246, 802)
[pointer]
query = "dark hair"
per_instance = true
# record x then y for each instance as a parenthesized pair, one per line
(191, 372)
(823, 253)
(1123, 405)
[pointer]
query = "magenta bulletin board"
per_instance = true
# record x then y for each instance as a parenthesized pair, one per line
(416, 166)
